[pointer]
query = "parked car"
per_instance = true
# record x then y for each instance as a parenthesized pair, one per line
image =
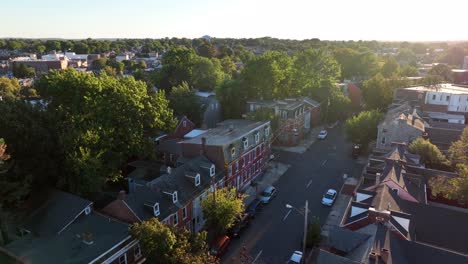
(268, 194)
(220, 245)
(253, 208)
(296, 257)
(356, 150)
(323, 134)
(241, 222)
(329, 197)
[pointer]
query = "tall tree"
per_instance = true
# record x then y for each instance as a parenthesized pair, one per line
(21, 70)
(206, 74)
(442, 71)
(377, 92)
(184, 101)
(390, 67)
(458, 152)
(221, 209)
(100, 123)
(9, 88)
(233, 96)
(452, 188)
(429, 153)
(362, 128)
(207, 50)
(163, 244)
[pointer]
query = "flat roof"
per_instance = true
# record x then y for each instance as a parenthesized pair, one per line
(195, 133)
(227, 131)
(443, 88)
(438, 115)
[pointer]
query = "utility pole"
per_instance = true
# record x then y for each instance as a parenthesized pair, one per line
(306, 211)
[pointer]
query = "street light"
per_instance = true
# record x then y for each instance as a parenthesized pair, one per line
(305, 213)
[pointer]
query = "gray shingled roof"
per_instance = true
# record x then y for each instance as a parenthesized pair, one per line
(59, 210)
(345, 240)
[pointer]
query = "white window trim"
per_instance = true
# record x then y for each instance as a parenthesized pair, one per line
(245, 141)
(174, 197)
(176, 219)
(197, 180)
(233, 152)
(156, 209)
(257, 137)
(212, 170)
(184, 212)
(125, 259)
(135, 254)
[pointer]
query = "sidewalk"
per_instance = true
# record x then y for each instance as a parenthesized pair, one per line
(302, 147)
(272, 174)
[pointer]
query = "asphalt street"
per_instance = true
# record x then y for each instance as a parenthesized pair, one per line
(277, 231)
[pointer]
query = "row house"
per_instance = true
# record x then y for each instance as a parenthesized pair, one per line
(173, 197)
(296, 116)
(64, 228)
(240, 147)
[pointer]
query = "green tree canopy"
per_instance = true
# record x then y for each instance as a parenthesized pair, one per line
(221, 208)
(169, 245)
(362, 128)
(21, 70)
(452, 188)
(390, 67)
(356, 63)
(184, 101)
(429, 153)
(100, 122)
(409, 71)
(443, 71)
(340, 106)
(232, 96)
(9, 88)
(207, 50)
(377, 92)
(458, 152)
(206, 73)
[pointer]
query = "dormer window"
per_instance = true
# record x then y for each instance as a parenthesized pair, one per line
(174, 197)
(184, 123)
(212, 170)
(87, 210)
(245, 141)
(233, 152)
(257, 137)
(197, 180)
(267, 131)
(156, 209)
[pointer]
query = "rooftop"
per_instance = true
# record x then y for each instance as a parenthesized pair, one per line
(444, 88)
(227, 132)
(69, 247)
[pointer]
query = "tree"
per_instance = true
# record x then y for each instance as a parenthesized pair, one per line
(99, 64)
(268, 76)
(163, 244)
(314, 73)
(221, 208)
(406, 56)
(100, 124)
(184, 101)
(390, 67)
(228, 66)
(340, 105)
(453, 56)
(377, 92)
(409, 71)
(443, 71)
(452, 188)
(177, 68)
(362, 128)
(265, 114)
(356, 63)
(40, 48)
(9, 88)
(206, 73)
(314, 235)
(458, 151)
(207, 50)
(429, 153)
(233, 97)
(21, 70)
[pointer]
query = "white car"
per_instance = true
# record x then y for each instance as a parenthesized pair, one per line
(329, 197)
(296, 257)
(267, 194)
(322, 135)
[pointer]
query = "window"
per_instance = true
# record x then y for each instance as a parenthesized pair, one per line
(212, 170)
(123, 259)
(433, 97)
(243, 162)
(267, 131)
(233, 152)
(447, 98)
(229, 170)
(184, 212)
(285, 114)
(197, 180)
(257, 137)
(383, 140)
(255, 154)
(184, 123)
(87, 210)
(156, 209)
(176, 219)
(237, 166)
(137, 251)
(174, 197)
(252, 107)
(440, 98)
(245, 141)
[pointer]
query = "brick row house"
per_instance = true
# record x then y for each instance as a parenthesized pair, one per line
(173, 197)
(240, 147)
(64, 228)
(296, 117)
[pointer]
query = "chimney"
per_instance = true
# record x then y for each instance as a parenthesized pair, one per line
(169, 170)
(377, 178)
(88, 238)
(203, 145)
(122, 195)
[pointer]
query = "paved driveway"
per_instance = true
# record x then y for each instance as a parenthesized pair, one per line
(276, 231)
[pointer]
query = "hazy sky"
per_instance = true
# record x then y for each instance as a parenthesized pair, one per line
(295, 19)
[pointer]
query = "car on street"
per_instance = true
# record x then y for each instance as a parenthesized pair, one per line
(322, 134)
(296, 257)
(220, 245)
(268, 194)
(242, 222)
(329, 197)
(253, 208)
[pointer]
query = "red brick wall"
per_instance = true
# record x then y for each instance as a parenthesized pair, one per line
(181, 130)
(315, 116)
